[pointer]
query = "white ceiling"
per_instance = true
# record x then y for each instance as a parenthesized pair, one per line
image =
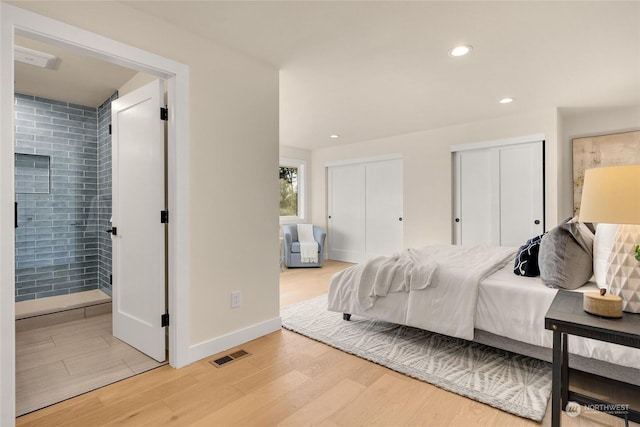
(366, 70)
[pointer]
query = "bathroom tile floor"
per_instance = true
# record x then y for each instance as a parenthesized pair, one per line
(54, 363)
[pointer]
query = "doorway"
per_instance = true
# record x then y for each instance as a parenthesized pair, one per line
(20, 22)
(65, 344)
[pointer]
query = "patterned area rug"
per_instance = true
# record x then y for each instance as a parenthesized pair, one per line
(513, 383)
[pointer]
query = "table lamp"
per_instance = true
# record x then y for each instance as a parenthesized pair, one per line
(612, 195)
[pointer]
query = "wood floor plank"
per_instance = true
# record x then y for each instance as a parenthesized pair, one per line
(257, 401)
(325, 405)
(62, 413)
(153, 385)
(384, 401)
(198, 401)
(131, 404)
(152, 414)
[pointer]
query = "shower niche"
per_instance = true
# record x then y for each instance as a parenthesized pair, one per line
(63, 196)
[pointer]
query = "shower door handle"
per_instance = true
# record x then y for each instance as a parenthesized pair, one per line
(15, 212)
(113, 231)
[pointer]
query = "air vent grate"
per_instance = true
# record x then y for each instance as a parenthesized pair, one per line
(224, 360)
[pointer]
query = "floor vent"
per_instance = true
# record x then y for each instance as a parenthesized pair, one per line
(225, 360)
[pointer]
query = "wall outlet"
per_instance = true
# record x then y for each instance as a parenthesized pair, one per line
(235, 299)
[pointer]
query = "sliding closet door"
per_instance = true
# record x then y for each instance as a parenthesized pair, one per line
(521, 193)
(346, 233)
(499, 194)
(383, 207)
(365, 210)
(474, 205)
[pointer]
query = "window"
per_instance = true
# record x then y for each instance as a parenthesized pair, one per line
(292, 190)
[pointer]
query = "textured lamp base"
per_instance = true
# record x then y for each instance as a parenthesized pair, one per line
(623, 271)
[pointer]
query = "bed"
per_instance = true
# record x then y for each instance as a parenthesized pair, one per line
(500, 308)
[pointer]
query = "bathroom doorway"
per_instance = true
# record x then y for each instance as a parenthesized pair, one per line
(63, 253)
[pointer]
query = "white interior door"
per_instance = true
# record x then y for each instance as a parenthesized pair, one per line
(383, 207)
(138, 198)
(346, 227)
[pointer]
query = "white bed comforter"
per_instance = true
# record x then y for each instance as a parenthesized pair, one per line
(442, 283)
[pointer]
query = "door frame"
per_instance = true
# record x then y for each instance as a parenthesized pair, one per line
(14, 20)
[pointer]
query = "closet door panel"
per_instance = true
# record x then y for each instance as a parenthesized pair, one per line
(383, 207)
(521, 193)
(476, 199)
(346, 222)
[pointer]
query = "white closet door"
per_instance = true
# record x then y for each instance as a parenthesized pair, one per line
(521, 193)
(474, 203)
(383, 207)
(499, 194)
(346, 222)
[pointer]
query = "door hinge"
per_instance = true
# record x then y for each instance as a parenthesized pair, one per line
(164, 113)
(109, 129)
(164, 217)
(111, 279)
(164, 320)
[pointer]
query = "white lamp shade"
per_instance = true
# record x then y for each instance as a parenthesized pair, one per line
(611, 195)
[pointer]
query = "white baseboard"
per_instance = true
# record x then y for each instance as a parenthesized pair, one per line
(225, 342)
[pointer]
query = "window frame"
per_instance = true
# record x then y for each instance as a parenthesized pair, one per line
(301, 165)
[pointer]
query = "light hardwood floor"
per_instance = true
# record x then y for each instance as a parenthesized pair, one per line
(288, 380)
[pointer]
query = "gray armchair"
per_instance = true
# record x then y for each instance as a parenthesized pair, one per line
(292, 246)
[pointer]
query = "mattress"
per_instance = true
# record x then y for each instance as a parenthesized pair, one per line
(514, 307)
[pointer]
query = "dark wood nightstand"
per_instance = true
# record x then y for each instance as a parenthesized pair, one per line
(566, 317)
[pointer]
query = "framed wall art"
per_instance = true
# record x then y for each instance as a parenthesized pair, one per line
(602, 150)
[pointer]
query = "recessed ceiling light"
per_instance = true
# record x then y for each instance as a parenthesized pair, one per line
(334, 136)
(506, 100)
(460, 50)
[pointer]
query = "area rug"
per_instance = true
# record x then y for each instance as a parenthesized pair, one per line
(511, 382)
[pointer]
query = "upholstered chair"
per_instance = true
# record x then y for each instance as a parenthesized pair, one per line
(292, 256)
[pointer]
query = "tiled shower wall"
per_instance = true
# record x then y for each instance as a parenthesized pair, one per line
(57, 239)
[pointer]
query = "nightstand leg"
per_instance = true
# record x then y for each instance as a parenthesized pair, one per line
(556, 378)
(564, 382)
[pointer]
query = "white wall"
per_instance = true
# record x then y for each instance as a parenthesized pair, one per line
(234, 112)
(295, 153)
(591, 122)
(427, 172)
(137, 81)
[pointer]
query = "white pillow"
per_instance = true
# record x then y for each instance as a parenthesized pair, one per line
(602, 245)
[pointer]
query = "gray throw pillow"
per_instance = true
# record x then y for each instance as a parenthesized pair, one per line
(566, 256)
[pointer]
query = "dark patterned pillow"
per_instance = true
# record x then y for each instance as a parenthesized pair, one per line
(527, 258)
